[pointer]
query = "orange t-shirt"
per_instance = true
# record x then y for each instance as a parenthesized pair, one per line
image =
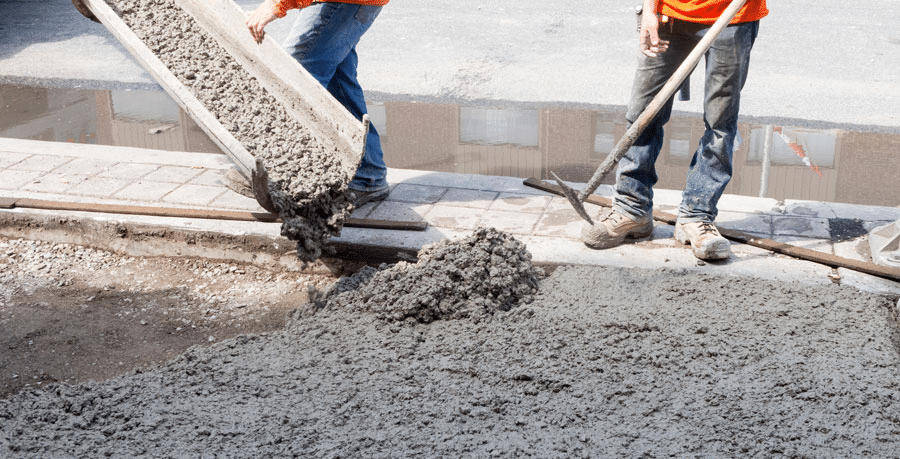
(707, 11)
(285, 5)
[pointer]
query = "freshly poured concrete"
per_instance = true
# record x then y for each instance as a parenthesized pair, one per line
(604, 362)
(758, 357)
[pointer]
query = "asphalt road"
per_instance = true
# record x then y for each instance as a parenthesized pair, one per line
(815, 61)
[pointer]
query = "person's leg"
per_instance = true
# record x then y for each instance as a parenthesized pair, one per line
(636, 172)
(323, 40)
(727, 64)
(372, 172)
(632, 212)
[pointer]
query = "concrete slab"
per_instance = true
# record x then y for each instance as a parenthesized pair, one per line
(100, 186)
(517, 223)
(53, 183)
(145, 190)
(399, 211)
(198, 195)
(13, 179)
(453, 217)
(794, 226)
(40, 163)
(476, 199)
(520, 202)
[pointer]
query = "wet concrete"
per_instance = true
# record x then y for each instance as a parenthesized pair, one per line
(308, 181)
(604, 362)
(473, 278)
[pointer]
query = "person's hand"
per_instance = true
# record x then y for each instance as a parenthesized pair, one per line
(651, 45)
(259, 18)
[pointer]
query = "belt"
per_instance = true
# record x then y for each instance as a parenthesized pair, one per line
(682, 27)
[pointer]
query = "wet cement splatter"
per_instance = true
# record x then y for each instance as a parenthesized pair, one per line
(604, 362)
(309, 183)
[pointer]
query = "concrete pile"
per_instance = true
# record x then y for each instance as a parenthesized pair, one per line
(474, 277)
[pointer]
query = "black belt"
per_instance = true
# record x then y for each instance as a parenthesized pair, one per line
(682, 27)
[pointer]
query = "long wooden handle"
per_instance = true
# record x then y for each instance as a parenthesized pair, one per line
(661, 98)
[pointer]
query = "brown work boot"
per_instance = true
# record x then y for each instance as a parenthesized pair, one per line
(705, 240)
(611, 228)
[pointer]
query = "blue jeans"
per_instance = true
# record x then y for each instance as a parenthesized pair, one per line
(323, 40)
(727, 62)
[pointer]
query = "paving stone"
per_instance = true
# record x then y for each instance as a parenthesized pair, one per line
(53, 183)
(797, 226)
(84, 166)
(145, 190)
(8, 158)
(865, 212)
(210, 177)
(854, 249)
(517, 202)
(812, 209)
(231, 200)
(133, 171)
(735, 203)
(99, 186)
(746, 222)
(511, 222)
(197, 195)
(561, 204)
(41, 163)
(399, 211)
(362, 212)
(818, 244)
(560, 224)
(12, 179)
(422, 194)
(448, 216)
(174, 174)
(460, 197)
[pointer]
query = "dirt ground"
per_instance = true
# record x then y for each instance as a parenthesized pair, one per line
(72, 314)
(598, 362)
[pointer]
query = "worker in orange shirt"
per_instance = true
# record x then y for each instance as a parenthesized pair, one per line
(323, 40)
(669, 30)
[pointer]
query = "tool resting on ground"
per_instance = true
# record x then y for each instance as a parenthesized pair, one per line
(634, 131)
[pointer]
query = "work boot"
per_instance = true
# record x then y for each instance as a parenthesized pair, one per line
(235, 181)
(360, 198)
(705, 240)
(611, 228)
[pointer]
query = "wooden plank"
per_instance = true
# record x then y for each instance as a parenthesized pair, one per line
(212, 214)
(802, 253)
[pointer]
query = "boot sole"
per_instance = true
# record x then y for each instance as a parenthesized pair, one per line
(719, 253)
(637, 233)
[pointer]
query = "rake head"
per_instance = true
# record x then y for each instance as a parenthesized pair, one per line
(574, 198)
